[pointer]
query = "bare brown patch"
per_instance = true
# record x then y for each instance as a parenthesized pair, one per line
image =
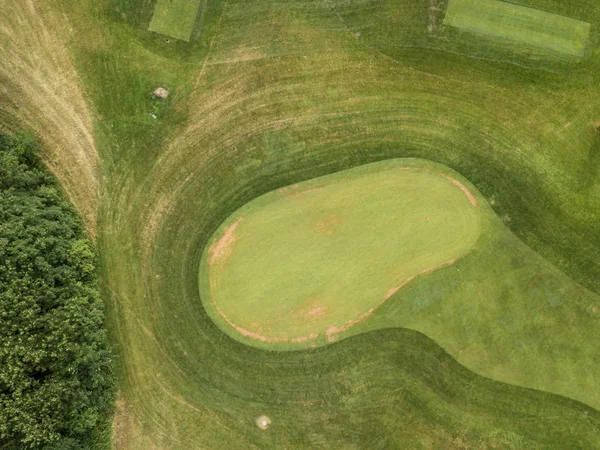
(463, 188)
(457, 183)
(319, 311)
(120, 426)
(332, 331)
(328, 225)
(393, 290)
(222, 248)
(126, 430)
(257, 334)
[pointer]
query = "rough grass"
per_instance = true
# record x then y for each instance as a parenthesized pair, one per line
(299, 265)
(525, 26)
(275, 93)
(175, 18)
(42, 92)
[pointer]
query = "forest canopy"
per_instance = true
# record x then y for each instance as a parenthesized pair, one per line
(55, 364)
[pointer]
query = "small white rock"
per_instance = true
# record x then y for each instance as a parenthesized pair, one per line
(263, 422)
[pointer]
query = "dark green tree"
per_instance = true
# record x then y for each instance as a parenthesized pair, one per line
(55, 364)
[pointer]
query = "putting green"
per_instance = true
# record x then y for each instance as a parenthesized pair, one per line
(306, 262)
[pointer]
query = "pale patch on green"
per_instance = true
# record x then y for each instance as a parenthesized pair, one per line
(175, 18)
(519, 24)
(314, 259)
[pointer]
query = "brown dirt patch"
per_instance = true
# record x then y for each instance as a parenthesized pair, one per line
(120, 426)
(222, 248)
(319, 311)
(458, 184)
(463, 188)
(328, 225)
(126, 430)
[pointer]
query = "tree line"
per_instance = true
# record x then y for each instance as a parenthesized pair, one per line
(56, 387)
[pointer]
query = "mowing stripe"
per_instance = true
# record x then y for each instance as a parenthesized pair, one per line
(519, 24)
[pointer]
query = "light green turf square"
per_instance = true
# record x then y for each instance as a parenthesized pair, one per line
(175, 18)
(520, 25)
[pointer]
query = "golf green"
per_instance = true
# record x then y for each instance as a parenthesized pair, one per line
(309, 261)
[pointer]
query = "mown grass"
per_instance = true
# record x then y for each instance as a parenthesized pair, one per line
(176, 18)
(520, 25)
(274, 93)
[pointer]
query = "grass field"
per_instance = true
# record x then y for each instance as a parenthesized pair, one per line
(303, 263)
(497, 350)
(526, 26)
(175, 18)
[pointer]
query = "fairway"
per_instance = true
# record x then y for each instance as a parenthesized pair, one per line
(175, 18)
(519, 24)
(306, 262)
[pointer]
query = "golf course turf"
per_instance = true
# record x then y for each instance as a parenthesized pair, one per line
(496, 350)
(308, 261)
(520, 24)
(176, 18)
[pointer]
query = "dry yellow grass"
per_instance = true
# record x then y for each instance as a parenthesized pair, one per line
(38, 76)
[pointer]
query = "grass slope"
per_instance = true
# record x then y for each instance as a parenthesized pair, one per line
(525, 26)
(299, 265)
(276, 93)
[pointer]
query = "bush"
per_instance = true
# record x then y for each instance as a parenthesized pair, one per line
(55, 365)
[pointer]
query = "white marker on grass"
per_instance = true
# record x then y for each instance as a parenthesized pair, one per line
(263, 422)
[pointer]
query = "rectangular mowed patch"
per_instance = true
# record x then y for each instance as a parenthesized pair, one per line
(520, 25)
(175, 18)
